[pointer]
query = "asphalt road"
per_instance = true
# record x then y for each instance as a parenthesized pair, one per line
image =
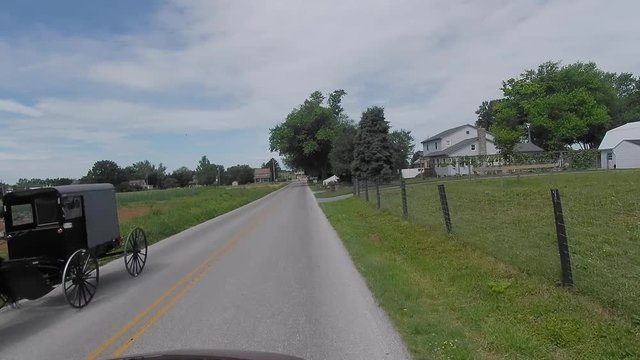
(270, 276)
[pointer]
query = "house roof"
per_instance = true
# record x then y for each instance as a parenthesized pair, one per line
(447, 132)
(527, 147)
(613, 137)
(455, 147)
(262, 173)
(637, 141)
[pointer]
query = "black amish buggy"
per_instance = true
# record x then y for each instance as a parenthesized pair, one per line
(56, 235)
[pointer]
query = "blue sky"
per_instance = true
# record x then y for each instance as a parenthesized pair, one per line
(170, 81)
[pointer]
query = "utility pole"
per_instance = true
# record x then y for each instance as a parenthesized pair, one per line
(273, 169)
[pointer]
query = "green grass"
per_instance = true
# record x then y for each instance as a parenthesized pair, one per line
(344, 189)
(450, 300)
(512, 220)
(171, 211)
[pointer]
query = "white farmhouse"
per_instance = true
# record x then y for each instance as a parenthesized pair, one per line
(620, 147)
(465, 140)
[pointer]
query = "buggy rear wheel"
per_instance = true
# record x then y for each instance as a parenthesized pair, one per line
(135, 252)
(80, 278)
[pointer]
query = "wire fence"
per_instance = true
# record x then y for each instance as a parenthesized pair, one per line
(501, 164)
(515, 220)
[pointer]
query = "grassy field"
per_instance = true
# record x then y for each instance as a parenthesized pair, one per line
(449, 299)
(511, 219)
(162, 213)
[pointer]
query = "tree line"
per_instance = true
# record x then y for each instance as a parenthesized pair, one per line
(561, 105)
(108, 171)
(320, 139)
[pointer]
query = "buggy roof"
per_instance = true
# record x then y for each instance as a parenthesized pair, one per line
(16, 196)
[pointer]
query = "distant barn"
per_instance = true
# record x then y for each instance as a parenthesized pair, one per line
(620, 147)
(262, 175)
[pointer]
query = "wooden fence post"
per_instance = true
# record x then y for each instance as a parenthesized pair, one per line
(403, 191)
(563, 242)
(444, 204)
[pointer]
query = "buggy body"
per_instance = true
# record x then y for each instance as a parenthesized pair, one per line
(55, 236)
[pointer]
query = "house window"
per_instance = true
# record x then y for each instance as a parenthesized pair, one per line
(467, 132)
(473, 147)
(427, 146)
(436, 145)
(609, 156)
(448, 142)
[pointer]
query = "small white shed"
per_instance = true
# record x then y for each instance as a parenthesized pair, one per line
(332, 179)
(620, 147)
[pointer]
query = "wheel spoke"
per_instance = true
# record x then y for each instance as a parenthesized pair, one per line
(86, 262)
(128, 260)
(84, 294)
(77, 297)
(88, 269)
(90, 284)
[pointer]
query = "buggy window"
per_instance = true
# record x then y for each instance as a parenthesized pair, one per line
(21, 214)
(72, 207)
(46, 211)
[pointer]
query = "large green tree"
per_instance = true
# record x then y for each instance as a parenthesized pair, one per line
(373, 156)
(105, 171)
(206, 173)
(562, 105)
(341, 155)
(145, 170)
(243, 174)
(183, 175)
(487, 114)
(305, 138)
(627, 106)
(402, 146)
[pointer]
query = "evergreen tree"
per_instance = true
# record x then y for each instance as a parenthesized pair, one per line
(372, 155)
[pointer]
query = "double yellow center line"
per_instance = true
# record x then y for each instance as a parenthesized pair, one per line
(179, 290)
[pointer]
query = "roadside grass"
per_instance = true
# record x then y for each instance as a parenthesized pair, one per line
(316, 187)
(343, 189)
(511, 219)
(450, 300)
(167, 212)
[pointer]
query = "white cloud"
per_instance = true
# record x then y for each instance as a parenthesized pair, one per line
(17, 108)
(205, 66)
